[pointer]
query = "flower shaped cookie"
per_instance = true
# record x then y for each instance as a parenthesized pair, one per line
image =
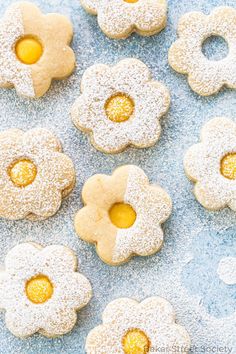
(227, 270)
(120, 106)
(34, 174)
(130, 327)
(34, 49)
(205, 76)
(212, 165)
(119, 18)
(123, 214)
(41, 290)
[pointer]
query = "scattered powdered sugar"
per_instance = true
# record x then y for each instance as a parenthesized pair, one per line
(12, 71)
(71, 290)
(152, 206)
(227, 270)
(142, 277)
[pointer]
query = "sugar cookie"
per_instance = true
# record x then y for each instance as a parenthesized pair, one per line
(212, 165)
(227, 270)
(130, 327)
(123, 214)
(205, 76)
(120, 106)
(119, 18)
(34, 174)
(41, 290)
(34, 49)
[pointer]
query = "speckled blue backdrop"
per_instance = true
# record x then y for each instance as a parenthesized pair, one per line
(180, 272)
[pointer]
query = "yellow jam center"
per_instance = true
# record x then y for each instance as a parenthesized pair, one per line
(39, 289)
(228, 166)
(119, 107)
(135, 341)
(22, 173)
(131, 1)
(122, 215)
(28, 50)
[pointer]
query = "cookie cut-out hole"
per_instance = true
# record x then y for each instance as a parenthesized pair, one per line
(39, 289)
(28, 50)
(228, 166)
(136, 341)
(215, 48)
(22, 172)
(119, 107)
(122, 215)
(131, 1)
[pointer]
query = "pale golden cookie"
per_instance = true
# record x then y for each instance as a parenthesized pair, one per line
(34, 49)
(40, 290)
(205, 76)
(123, 214)
(34, 174)
(119, 18)
(211, 164)
(130, 327)
(120, 106)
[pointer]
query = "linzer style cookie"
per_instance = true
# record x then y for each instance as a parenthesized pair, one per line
(130, 327)
(123, 214)
(40, 290)
(120, 106)
(211, 165)
(119, 18)
(34, 174)
(205, 76)
(34, 49)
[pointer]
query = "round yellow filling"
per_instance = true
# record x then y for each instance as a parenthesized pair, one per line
(135, 341)
(119, 108)
(228, 166)
(122, 215)
(39, 289)
(28, 50)
(23, 172)
(131, 1)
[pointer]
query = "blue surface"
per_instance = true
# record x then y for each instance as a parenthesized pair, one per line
(176, 273)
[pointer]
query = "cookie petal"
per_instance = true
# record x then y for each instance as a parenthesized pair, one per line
(22, 322)
(117, 309)
(39, 138)
(159, 309)
(59, 322)
(211, 195)
(20, 257)
(57, 259)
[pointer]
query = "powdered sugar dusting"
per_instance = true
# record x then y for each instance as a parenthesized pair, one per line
(12, 71)
(152, 206)
(227, 270)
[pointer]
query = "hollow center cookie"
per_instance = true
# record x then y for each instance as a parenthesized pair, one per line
(135, 341)
(22, 172)
(39, 289)
(28, 50)
(228, 166)
(119, 107)
(122, 215)
(215, 48)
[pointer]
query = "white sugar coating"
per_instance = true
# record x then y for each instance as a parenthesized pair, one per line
(205, 76)
(152, 206)
(154, 316)
(118, 19)
(227, 270)
(132, 78)
(54, 178)
(12, 71)
(71, 290)
(203, 164)
(142, 277)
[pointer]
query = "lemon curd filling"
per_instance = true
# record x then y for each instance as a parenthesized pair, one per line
(39, 289)
(228, 166)
(135, 341)
(22, 172)
(119, 107)
(131, 1)
(122, 215)
(28, 50)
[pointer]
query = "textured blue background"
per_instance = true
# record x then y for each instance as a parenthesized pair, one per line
(175, 272)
